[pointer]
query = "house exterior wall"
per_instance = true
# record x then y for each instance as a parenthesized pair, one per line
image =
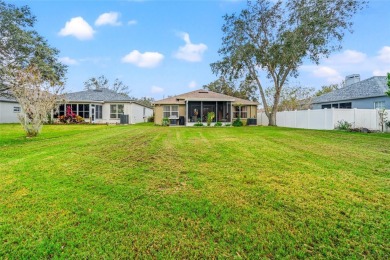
(364, 103)
(137, 113)
(159, 110)
(252, 112)
(106, 115)
(7, 114)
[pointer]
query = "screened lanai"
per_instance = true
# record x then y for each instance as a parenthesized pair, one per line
(197, 111)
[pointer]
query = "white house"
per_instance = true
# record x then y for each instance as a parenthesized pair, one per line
(9, 110)
(105, 106)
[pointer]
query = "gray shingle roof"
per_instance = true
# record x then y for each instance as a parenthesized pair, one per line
(371, 87)
(203, 94)
(97, 95)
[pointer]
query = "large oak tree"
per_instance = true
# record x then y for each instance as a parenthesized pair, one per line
(22, 47)
(270, 40)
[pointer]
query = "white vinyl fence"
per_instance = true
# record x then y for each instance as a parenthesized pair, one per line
(325, 119)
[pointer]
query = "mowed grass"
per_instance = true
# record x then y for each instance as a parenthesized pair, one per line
(162, 192)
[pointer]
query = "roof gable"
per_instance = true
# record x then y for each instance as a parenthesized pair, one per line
(371, 87)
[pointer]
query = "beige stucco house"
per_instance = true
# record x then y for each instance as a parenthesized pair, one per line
(192, 107)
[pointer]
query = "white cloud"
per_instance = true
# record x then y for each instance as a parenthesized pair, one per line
(143, 60)
(192, 84)
(331, 75)
(190, 52)
(68, 61)
(78, 28)
(156, 90)
(132, 22)
(384, 54)
(110, 18)
(348, 57)
(381, 72)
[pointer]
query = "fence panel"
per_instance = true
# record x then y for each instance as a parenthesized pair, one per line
(324, 119)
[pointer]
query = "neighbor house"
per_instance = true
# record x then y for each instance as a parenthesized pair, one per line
(365, 94)
(192, 107)
(105, 106)
(9, 110)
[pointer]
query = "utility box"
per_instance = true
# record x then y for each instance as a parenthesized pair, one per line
(181, 120)
(251, 121)
(124, 119)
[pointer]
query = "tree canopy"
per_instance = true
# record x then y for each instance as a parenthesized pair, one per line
(292, 97)
(327, 89)
(22, 47)
(270, 40)
(103, 82)
(245, 90)
(388, 84)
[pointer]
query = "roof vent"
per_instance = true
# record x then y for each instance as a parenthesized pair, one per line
(203, 91)
(98, 90)
(351, 79)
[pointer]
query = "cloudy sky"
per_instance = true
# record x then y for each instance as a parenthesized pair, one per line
(161, 48)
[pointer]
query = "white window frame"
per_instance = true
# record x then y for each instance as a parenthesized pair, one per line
(171, 111)
(381, 106)
(115, 115)
(241, 111)
(16, 109)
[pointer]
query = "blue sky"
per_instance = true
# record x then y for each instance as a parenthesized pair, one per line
(161, 48)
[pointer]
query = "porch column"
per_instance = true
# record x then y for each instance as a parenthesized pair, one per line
(187, 114)
(201, 111)
(216, 111)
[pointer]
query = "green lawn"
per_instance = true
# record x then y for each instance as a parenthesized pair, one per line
(143, 191)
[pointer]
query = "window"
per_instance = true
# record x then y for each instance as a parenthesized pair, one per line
(60, 111)
(16, 109)
(98, 112)
(240, 112)
(379, 105)
(116, 110)
(345, 105)
(83, 110)
(338, 105)
(171, 111)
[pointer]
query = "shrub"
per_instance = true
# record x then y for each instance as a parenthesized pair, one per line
(151, 119)
(210, 117)
(165, 121)
(218, 124)
(198, 124)
(343, 125)
(238, 122)
(70, 117)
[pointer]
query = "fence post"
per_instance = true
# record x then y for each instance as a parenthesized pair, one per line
(308, 119)
(333, 123)
(295, 118)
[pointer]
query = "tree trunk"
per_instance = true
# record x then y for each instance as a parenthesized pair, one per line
(272, 118)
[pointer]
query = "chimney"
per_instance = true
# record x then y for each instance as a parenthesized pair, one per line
(351, 79)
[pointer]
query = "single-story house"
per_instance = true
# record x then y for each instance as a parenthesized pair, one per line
(365, 94)
(9, 110)
(192, 107)
(105, 106)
